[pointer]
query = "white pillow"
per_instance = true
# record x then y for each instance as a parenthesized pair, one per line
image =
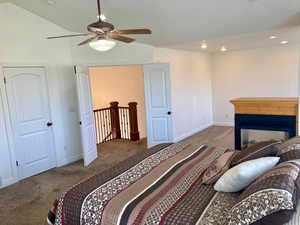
(240, 176)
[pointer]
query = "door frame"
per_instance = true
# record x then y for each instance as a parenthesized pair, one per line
(8, 122)
(89, 65)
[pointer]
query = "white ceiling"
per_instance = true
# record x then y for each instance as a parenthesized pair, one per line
(180, 23)
(246, 41)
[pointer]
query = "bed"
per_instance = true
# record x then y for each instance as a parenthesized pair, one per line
(160, 186)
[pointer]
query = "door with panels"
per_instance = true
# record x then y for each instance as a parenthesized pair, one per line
(158, 103)
(28, 103)
(87, 121)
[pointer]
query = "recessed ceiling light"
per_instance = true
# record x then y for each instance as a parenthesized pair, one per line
(284, 42)
(273, 37)
(223, 49)
(51, 2)
(204, 45)
(102, 17)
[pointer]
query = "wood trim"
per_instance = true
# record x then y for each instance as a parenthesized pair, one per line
(266, 106)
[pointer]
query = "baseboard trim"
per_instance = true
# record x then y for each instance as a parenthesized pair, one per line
(226, 124)
(10, 181)
(69, 160)
(7, 182)
(192, 132)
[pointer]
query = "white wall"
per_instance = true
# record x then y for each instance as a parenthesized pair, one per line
(120, 83)
(270, 72)
(23, 42)
(191, 90)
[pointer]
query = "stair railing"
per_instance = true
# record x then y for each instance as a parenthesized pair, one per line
(116, 122)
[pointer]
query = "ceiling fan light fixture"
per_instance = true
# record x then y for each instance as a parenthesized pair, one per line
(102, 45)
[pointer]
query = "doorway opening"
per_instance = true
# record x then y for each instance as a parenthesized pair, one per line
(119, 107)
(147, 94)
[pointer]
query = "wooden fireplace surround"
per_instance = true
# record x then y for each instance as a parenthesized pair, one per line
(277, 114)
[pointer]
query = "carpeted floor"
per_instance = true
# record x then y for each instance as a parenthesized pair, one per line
(28, 201)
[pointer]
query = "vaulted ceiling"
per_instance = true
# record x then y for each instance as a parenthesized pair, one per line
(173, 22)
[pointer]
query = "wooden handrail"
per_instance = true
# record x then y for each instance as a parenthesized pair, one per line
(98, 110)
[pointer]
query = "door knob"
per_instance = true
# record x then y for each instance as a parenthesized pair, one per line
(169, 113)
(49, 124)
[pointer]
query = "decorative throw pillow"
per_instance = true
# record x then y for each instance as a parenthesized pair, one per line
(284, 146)
(289, 150)
(240, 176)
(271, 199)
(258, 150)
(218, 167)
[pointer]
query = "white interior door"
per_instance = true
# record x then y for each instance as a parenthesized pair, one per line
(158, 104)
(29, 110)
(87, 122)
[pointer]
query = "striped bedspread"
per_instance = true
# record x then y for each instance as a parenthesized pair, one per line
(162, 186)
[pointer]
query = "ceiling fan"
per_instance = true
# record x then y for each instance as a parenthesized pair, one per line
(101, 34)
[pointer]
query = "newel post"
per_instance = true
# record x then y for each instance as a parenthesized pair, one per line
(133, 121)
(115, 120)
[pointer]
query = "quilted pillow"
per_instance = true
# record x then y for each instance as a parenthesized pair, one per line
(258, 150)
(283, 147)
(289, 150)
(271, 199)
(218, 167)
(240, 176)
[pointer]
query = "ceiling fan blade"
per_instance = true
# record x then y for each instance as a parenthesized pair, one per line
(121, 38)
(66, 36)
(133, 31)
(88, 41)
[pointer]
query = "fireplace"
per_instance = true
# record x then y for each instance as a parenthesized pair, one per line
(262, 119)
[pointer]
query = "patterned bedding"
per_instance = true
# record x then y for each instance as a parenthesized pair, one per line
(161, 186)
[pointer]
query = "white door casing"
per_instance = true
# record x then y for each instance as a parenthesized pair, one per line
(30, 117)
(158, 103)
(87, 121)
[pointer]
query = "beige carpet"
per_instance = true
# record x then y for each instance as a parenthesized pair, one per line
(28, 201)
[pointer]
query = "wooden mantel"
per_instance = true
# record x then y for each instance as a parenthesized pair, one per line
(272, 114)
(266, 106)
